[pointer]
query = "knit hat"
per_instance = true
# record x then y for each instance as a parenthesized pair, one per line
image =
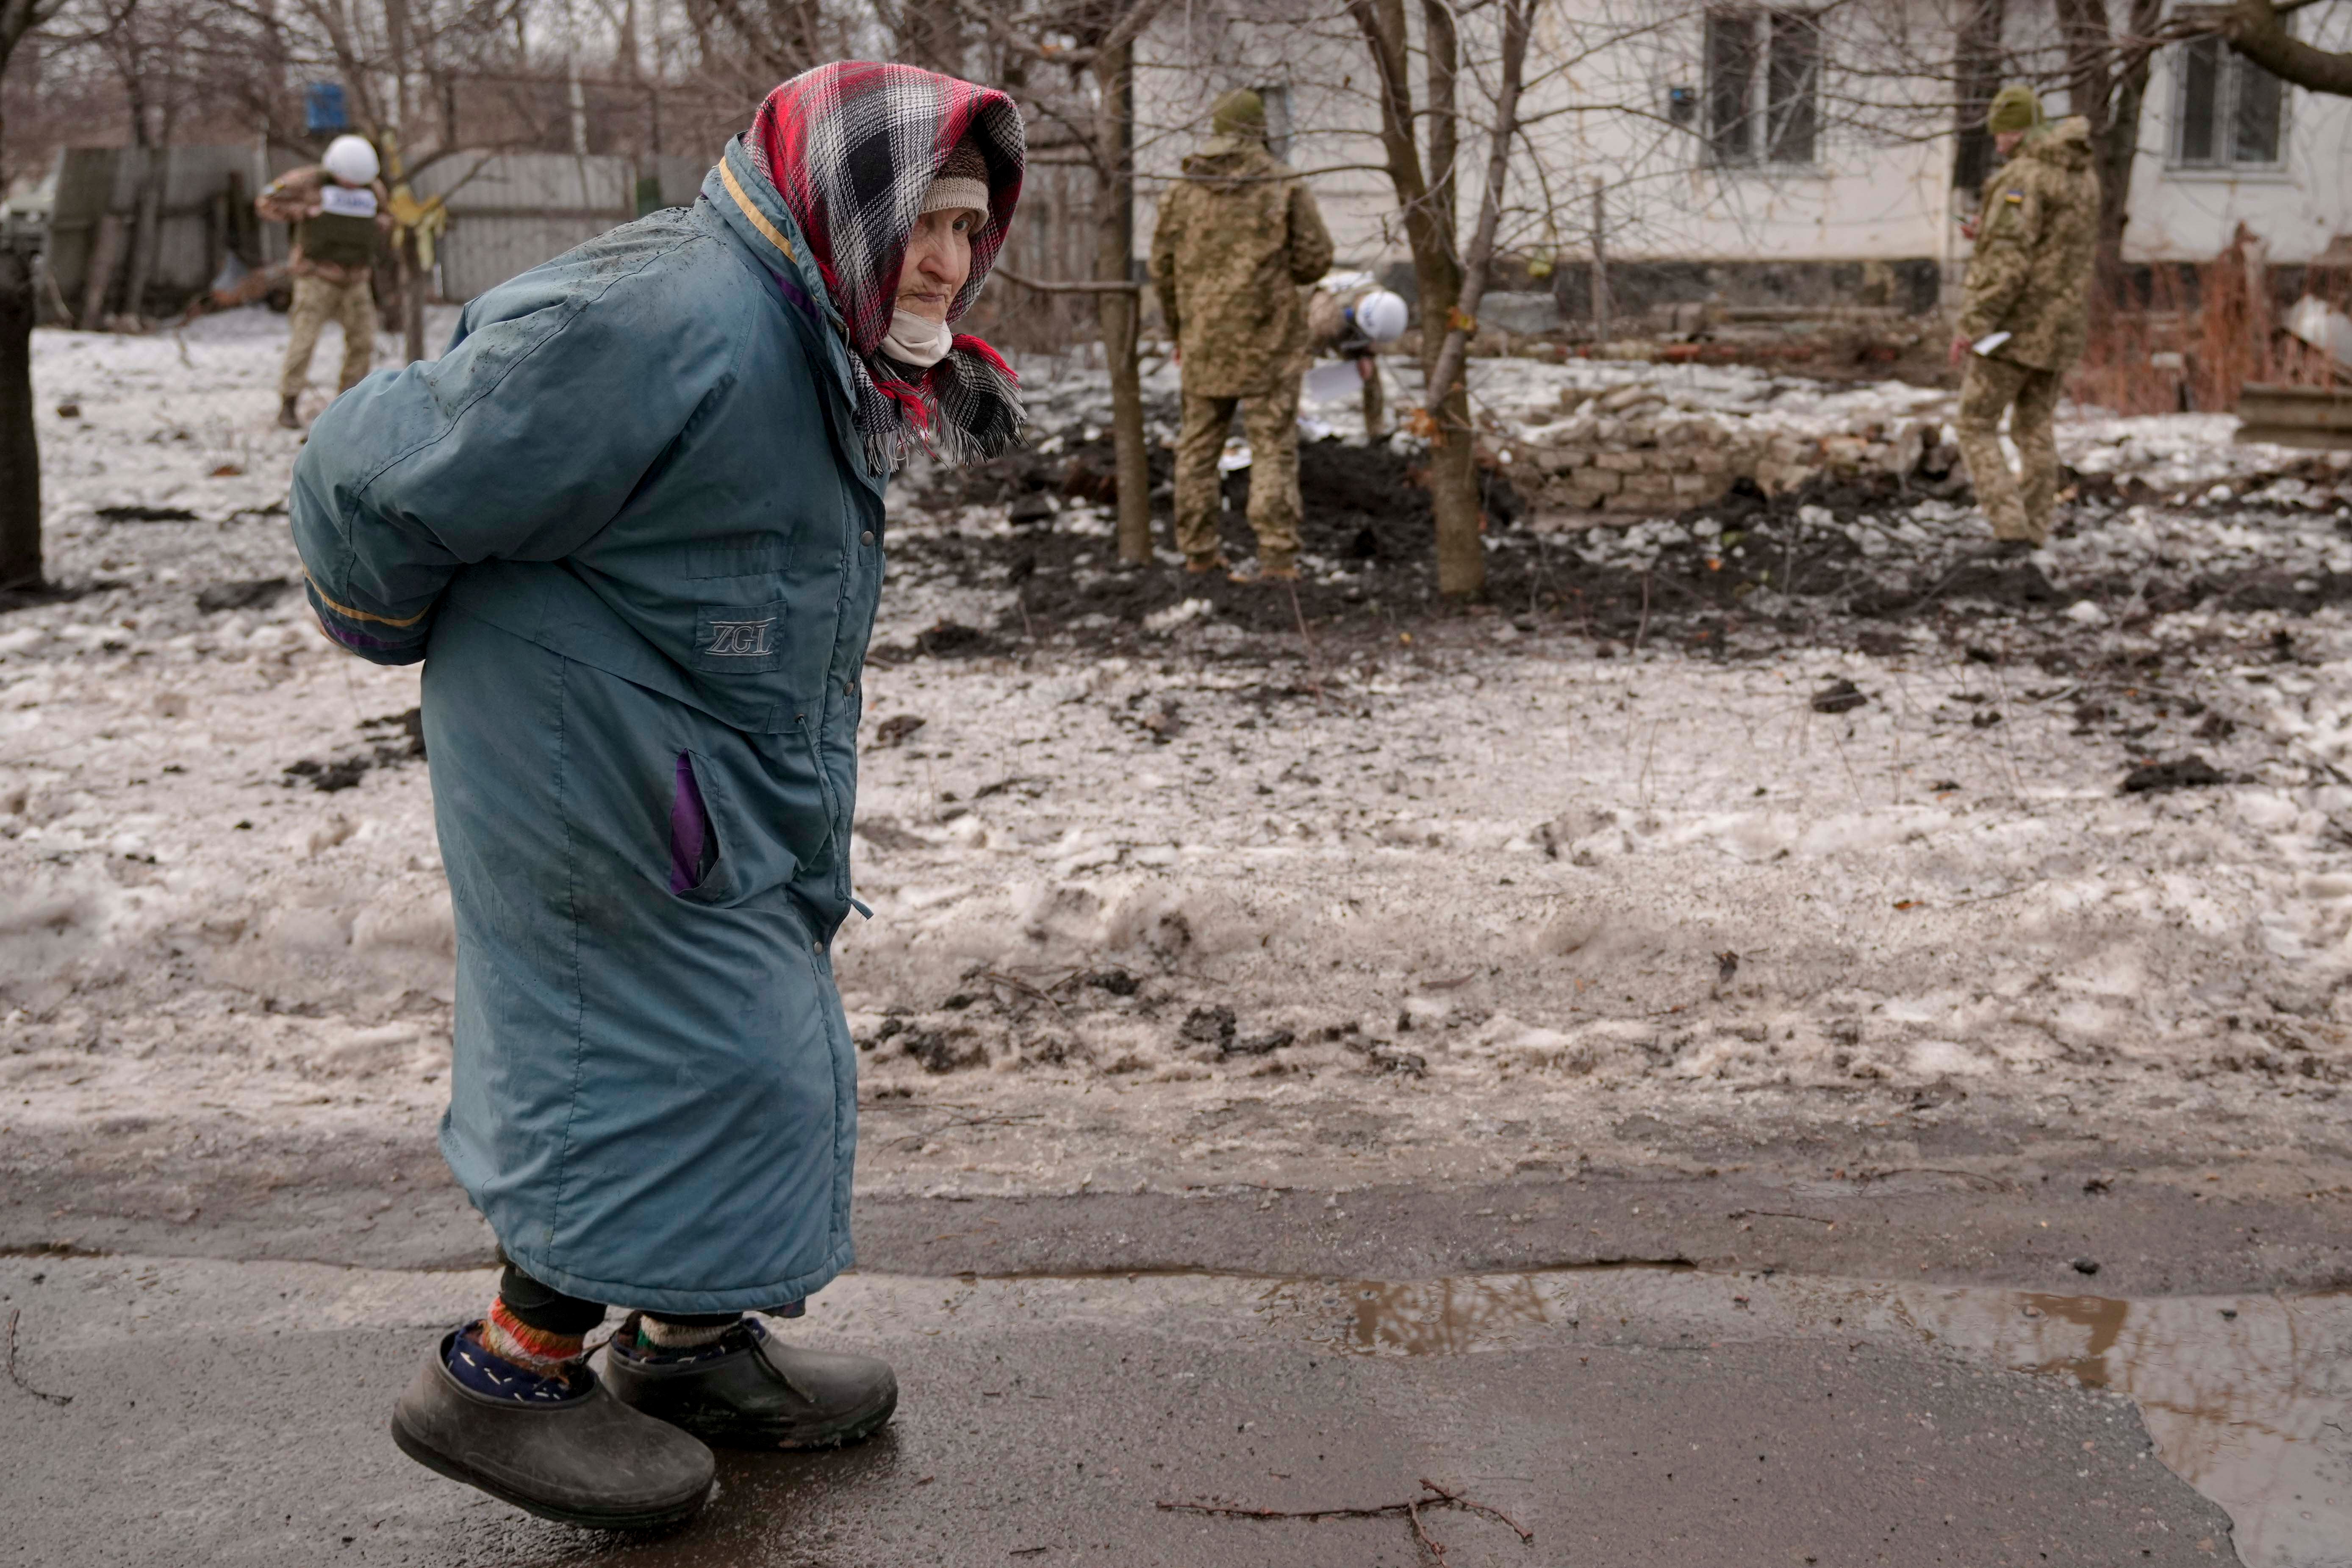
(2014, 108)
(962, 184)
(1240, 113)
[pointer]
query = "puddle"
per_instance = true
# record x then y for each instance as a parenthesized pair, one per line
(2248, 1399)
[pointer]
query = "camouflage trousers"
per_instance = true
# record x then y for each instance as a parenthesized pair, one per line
(2030, 396)
(1271, 422)
(316, 302)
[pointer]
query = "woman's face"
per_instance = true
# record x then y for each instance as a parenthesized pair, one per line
(939, 258)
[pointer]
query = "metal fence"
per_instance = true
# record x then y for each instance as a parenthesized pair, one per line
(203, 215)
(511, 210)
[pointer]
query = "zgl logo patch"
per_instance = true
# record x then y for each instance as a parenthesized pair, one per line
(740, 640)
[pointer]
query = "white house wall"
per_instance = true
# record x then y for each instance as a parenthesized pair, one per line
(1864, 200)
(2189, 215)
(1882, 195)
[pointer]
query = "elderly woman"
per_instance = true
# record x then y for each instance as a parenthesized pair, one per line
(632, 521)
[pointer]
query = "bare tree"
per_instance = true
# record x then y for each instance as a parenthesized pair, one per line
(784, 36)
(2258, 30)
(1420, 143)
(1093, 43)
(20, 453)
(1447, 369)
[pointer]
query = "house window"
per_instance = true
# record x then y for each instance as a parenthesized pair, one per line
(2229, 112)
(1763, 86)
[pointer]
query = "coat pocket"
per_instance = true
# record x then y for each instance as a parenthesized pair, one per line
(694, 848)
(744, 817)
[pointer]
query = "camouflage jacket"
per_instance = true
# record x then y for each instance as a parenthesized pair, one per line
(2036, 234)
(296, 198)
(1238, 237)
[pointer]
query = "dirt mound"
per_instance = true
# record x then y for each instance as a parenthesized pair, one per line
(1850, 559)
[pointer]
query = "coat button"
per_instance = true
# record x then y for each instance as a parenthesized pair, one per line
(866, 537)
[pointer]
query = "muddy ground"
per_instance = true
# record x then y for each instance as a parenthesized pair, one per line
(1857, 858)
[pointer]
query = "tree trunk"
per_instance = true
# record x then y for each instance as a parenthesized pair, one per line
(1454, 352)
(1452, 471)
(146, 233)
(1118, 312)
(2116, 152)
(20, 454)
(1437, 276)
(20, 450)
(105, 256)
(1441, 46)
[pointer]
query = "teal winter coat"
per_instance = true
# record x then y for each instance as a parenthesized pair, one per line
(627, 523)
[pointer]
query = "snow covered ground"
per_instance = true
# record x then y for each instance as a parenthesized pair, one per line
(1455, 902)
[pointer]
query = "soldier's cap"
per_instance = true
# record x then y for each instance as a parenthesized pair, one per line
(2014, 108)
(1240, 113)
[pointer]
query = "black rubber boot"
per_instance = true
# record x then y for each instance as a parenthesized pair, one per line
(588, 1460)
(750, 1390)
(289, 416)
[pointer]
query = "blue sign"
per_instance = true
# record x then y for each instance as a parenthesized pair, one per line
(323, 109)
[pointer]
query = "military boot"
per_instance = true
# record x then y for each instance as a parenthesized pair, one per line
(562, 1448)
(750, 1390)
(289, 417)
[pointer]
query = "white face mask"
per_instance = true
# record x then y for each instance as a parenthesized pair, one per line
(917, 340)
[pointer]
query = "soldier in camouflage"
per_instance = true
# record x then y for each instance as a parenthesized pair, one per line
(337, 209)
(1239, 237)
(2028, 287)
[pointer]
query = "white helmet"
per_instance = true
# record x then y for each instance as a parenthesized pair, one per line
(1380, 316)
(351, 160)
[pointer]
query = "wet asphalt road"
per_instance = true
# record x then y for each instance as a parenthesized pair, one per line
(231, 1412)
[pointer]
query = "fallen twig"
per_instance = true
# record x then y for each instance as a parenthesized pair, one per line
(1432, 1495)
(1413, 1513)
(1313, 665)
(18, 1378)
(1778, 1214)
(997, 977)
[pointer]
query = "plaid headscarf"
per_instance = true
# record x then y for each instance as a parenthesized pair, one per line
(851, 148)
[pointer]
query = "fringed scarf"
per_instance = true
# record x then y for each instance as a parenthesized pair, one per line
(852, 148)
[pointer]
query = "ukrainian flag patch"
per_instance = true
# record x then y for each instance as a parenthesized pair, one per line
(2015, 198)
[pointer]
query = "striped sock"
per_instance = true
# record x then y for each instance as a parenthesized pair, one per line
(535, 1351)
(659, 1334)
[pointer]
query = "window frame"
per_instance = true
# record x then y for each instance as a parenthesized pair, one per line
(1763, 125)
(2232, 69)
